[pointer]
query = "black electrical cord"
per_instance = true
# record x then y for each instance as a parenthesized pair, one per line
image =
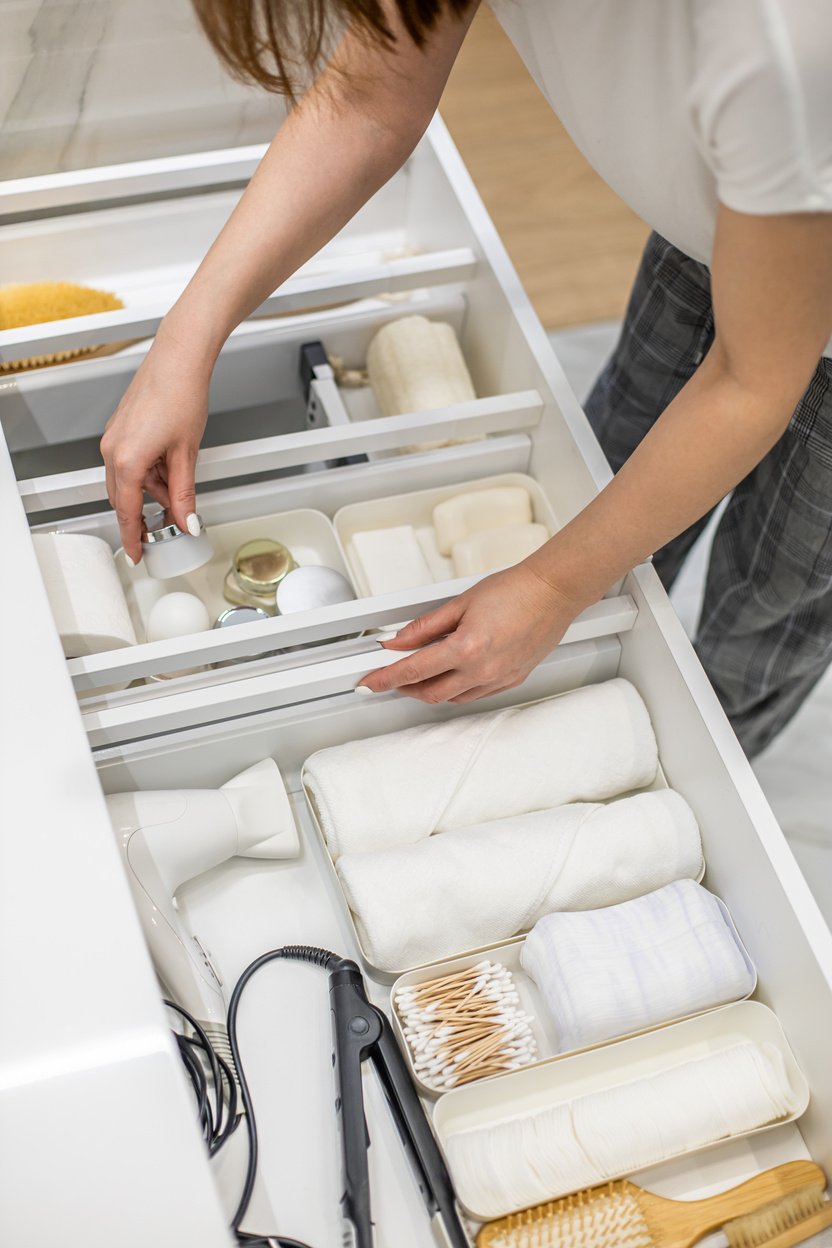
(294, 953)
(197, 1052)
(198, 1048)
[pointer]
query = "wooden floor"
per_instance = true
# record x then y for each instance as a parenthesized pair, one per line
(575, 244)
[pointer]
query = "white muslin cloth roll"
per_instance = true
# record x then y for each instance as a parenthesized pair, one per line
(588, 745)
(84, 592)
(604, 973)
(604, 1135)
(471, 887)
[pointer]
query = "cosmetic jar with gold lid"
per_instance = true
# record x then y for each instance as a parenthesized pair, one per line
(257, 569)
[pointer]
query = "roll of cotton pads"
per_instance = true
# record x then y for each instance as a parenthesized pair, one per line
(391, 559)
(491, 549)
(84, 592)
(458, 517)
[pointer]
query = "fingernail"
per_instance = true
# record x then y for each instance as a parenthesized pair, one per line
(192, 524)
(131, 563)
(363, 689)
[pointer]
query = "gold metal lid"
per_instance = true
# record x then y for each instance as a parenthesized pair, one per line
(261, 565)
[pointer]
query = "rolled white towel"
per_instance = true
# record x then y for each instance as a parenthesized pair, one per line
(474, 886)
(604, 973)
(588, 745)
(603, 1135)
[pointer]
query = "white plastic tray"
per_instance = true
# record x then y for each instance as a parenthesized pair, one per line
(416, 509)
(535, 1088)
(308, 534)
(531, 1002)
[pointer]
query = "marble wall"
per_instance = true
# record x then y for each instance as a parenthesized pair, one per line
(97, 82)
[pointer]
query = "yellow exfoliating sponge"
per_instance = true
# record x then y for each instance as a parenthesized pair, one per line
(37, 302)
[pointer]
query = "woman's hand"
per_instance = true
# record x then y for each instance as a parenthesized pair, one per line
(486, 640)
(151, 441)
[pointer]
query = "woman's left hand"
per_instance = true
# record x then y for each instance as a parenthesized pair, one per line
(486, 640)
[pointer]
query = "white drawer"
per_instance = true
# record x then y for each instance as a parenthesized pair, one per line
(526, 419)
(94, 1111)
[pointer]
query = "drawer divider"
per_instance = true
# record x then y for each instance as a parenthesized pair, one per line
(438, 268)
(304, 683)
(507, 413)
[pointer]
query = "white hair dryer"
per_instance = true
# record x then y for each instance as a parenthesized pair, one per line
(171, 836)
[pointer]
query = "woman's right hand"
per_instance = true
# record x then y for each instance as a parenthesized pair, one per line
(152, 439)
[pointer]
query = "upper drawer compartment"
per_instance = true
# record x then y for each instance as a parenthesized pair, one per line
(287, 435)
(145, 252)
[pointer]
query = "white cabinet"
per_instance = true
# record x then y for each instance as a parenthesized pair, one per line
(97, 1138)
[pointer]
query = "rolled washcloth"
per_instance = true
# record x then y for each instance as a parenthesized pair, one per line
(588, 745)
(474, 886)
(604, 1135)
(604, 973)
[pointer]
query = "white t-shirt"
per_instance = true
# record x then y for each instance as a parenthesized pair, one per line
(681, 103)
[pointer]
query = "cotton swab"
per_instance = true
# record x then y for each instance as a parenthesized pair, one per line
(465, 1026)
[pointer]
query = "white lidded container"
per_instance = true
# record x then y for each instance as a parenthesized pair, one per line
(85, 1039)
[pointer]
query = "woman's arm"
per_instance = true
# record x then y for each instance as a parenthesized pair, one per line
(350, 133)
(772, 297)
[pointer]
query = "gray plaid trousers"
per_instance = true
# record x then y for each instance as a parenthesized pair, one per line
(765, 633)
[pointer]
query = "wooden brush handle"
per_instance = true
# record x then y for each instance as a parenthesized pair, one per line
(680, 1223)
(799, 1234)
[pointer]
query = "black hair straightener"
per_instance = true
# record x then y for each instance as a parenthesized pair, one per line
(361, 1032)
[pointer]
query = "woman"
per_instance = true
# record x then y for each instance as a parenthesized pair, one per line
(714, 121)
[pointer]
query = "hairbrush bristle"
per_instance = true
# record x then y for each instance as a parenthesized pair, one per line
(756, 1229)
(607, 1218)
(38, 302)
(51, 301)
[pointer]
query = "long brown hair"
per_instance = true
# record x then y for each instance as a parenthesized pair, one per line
(278, 44)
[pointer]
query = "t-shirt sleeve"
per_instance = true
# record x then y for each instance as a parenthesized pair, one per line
(761, 102)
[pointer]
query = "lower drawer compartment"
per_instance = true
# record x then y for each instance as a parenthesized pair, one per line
(241, 908)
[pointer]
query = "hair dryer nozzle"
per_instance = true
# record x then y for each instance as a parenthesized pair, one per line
(265, 824)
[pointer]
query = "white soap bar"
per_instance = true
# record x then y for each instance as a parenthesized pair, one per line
(84, 592)
(491, 549)
(465, 514)
(391, 559)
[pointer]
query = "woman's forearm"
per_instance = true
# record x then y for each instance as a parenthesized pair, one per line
(348, 135)
(709, 438)
(317, 173)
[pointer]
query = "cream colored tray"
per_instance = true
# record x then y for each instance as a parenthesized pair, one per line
(416, 509)
(308, 534)
(535, 1088)
(531, 1002)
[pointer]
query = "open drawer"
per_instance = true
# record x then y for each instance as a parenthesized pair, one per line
(270, 447)
(243, 908)
(97, 1128)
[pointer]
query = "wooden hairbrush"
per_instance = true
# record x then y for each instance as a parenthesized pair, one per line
(776, 1209)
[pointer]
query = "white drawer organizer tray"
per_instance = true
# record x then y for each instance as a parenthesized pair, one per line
(508, 954)
(98, 1130)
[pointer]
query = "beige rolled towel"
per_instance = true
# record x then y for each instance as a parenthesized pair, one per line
(588, 745)
(417, 365)
(465, 889)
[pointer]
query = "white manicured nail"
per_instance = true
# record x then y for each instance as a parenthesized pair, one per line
(363, 689)
(192, 524)
(131, 563)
